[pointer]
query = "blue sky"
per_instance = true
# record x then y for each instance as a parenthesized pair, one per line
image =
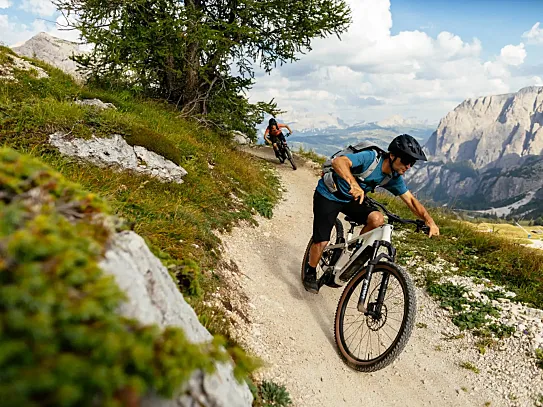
(414, 58)
(494, 22)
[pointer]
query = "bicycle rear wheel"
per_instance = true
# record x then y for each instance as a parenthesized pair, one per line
(366, 343)
(329, 258)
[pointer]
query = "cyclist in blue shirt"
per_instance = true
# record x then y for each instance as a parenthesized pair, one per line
(348, 198)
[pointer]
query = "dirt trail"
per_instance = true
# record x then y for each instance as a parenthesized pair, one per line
(292, 330)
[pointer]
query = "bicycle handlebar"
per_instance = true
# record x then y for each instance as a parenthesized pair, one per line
(419, 223)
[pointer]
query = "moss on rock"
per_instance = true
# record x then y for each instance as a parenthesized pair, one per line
(61, 341)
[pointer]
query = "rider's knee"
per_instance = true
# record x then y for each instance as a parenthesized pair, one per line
(376, 219)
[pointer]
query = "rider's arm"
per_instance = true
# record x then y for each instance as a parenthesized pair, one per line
(342, 166)
(419, 210)
(282, 126)
(265, 134)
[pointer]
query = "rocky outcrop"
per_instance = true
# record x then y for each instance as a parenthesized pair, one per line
(486, 153)
(116, 151)
(240, 138)
(153, 298)
(492, 130)
(6, 69)
(54, 51)
(481, 188)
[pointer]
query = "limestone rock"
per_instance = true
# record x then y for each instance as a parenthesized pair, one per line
(153, 298)
(6, 70)
(96, 103)
(54, 51)
(491, 131)
(116, 151)
(240, 138)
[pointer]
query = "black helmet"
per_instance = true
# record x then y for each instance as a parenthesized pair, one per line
(272, 122)
(405, 144)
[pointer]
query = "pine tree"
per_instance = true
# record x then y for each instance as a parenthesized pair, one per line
(184, 51)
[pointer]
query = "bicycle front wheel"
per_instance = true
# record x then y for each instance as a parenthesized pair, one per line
(368, 343)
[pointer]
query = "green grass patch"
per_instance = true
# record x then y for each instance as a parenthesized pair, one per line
(482, 255)
(179, 222)
(270, 394)
(470, 366)
(311, 155)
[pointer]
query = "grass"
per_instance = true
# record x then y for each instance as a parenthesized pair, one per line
(271, 394)
(311, 155)
(481, 255)
(179, 222)
(470, 366)
(539, 357)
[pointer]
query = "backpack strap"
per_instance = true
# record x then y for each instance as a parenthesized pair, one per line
(363, 175)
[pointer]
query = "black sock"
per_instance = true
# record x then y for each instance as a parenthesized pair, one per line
(313, 270)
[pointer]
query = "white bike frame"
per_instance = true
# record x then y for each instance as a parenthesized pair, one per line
(381, 233)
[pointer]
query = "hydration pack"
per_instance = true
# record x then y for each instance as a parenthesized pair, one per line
(328, 172)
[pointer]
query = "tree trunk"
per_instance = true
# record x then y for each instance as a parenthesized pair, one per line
(192, 78)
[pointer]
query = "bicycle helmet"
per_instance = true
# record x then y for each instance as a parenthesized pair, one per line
(404, 145)
(272, 122)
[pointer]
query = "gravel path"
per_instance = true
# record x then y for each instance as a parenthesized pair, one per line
(292, 330)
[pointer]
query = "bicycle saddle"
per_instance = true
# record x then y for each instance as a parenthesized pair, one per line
(350, 220)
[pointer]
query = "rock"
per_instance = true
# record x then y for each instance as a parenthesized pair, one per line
(97, 103)
(116, 151)
(240, 138)
(153, 298)
(54, 51)
(491, 128)
(487, 151)
(6, 70)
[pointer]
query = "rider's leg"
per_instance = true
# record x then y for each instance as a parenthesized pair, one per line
(315, 252)
(324, 216)
(375, 219)
(365, 215)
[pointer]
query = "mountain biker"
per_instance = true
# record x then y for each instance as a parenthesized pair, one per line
(275, 133)
(402, 154)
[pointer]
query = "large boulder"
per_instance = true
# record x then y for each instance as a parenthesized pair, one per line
(116, 151)
(153, 298)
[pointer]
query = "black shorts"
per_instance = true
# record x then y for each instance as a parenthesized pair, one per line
(326, 211)
(275, 139)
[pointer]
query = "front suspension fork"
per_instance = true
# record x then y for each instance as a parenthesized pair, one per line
(374, 309)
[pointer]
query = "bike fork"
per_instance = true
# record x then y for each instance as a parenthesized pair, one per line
(363, 299)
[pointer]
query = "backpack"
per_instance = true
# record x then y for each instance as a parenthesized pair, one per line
(328, 172)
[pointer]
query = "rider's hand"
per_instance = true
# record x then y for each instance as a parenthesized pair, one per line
(434, 230)
(357, 193)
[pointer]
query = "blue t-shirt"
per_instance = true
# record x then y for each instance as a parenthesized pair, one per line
(361, 161)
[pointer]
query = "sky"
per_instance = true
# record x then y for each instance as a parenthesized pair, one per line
(414, 58)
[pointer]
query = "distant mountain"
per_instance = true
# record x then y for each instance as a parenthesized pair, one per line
(54, 51)
(487, 153)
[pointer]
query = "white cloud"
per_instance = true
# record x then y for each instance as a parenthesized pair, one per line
(15, 33)
(535, 35)
(44, 8)
(5, 4)
(372, 74)
(513, 54)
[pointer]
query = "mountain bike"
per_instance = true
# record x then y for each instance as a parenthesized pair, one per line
(284, 151)
(376, 311)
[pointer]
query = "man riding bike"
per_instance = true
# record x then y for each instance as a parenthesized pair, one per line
(348, 196)
(275, 134)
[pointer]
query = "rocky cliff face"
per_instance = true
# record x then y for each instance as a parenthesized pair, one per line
(486, 153)
(492, 130)
(54, 51)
